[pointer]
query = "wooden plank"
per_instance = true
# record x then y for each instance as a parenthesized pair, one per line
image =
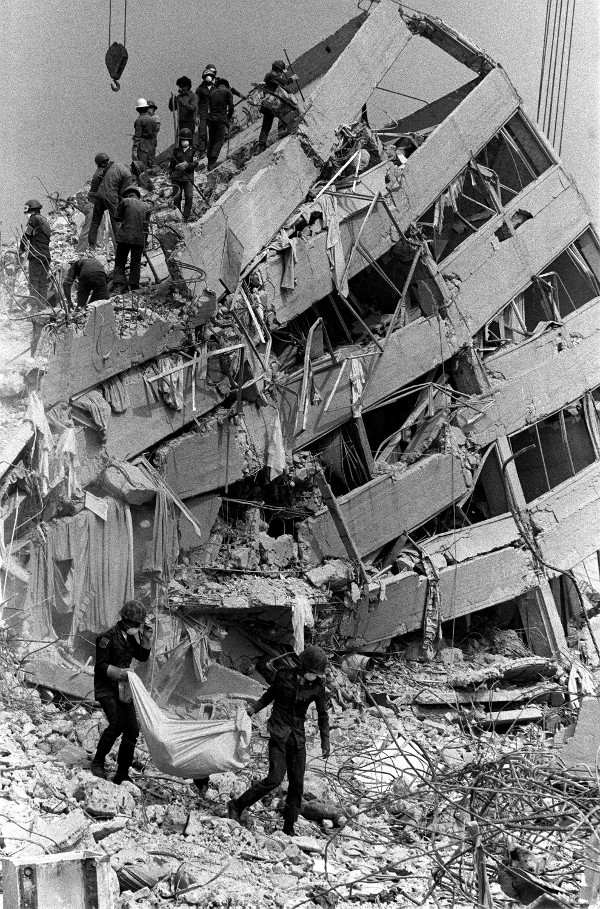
(77, 362)
(481, 582)
(400, 502)
(257, 204)
(427, 173)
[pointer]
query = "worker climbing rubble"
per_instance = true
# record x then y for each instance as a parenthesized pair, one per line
(106, 190)
(203, 93)
(220, 114)
(130, 638)
(35, 244)
(184, 161)
(132, 218)
(276, 102)
(292, 692)
(184, 105)
(145, 140)
(91, 280)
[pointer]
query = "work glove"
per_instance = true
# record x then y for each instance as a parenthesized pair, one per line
(325, 751)
(181, 166)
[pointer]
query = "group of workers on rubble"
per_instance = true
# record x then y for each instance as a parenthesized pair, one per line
(293, 689)
(202, 126)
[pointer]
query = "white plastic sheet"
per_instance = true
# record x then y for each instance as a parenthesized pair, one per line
(191, 748)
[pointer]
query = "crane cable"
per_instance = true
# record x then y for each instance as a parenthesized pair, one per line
(124, 23)
(116, 55)
(554, 75)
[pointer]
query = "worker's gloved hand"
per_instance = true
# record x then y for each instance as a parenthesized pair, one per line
(250, 710)
(294, 76)
(146, 637)
(325, 751)
(181, 166)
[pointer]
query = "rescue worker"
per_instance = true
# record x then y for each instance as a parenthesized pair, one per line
(152, 108)
(276, 103)
(186, 105)
(91, 280)
(220, 113)
(35, 243)
(145, 138)
(106, 190)
(132, 218)
(115, 649)
(184, 161)
(203, 94)
(292, 691)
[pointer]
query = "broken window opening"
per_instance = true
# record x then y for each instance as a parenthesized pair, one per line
(569, 282)
(562, 447)
(504, 168)
(341, 454)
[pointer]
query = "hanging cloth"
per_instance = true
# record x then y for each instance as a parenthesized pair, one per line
(116, 55)
(191, 749)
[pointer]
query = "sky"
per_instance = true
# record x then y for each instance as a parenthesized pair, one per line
(57, 109)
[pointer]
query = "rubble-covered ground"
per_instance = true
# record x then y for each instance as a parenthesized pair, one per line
(434, 806)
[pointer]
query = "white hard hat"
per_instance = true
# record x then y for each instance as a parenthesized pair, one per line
(141, 102)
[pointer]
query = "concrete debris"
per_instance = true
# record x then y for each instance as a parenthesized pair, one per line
(345, 407)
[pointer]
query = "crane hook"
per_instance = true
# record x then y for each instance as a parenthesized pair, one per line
(116, 87)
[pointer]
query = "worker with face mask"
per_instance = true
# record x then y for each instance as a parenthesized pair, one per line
(184, 161)
(292, 692)
(130, 638)
(209, 77)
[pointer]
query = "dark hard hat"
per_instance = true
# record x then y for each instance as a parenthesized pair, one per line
(133, 189)
(33, 205)
(134, 611)
(210, 68)
(101, 158)
(279, 64)
(185, 134)
(313, 659)
(152, 103)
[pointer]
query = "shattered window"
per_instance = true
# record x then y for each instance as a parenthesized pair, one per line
(509, 162)
(568, 283)
(558, 447)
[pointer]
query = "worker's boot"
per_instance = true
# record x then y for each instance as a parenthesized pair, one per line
(288, 829)
(122, 776)
(233, 812)
(98, 769)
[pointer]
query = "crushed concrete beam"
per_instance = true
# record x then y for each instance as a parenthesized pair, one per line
(258, 203)
(77, 362)
(451, 42)
(70, 679)
(427, 173)
(401, 501)
(488, 274)
(541, 621)
(533, 379)
(481, 582)
(477, 539)
(223, 682)
(204, 510)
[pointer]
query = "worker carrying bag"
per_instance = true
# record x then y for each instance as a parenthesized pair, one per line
(191, 749)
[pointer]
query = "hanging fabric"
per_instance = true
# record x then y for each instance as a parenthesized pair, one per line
(116, 55)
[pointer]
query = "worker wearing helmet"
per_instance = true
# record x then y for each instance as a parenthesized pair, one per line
(132, 218)
(276, 102)
(106, 190)
(35, 243)
(185, 104)
(145, 139)
(130, 638)
(291, 693)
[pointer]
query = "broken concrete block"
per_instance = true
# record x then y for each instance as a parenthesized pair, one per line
(72, 756)
(582, 750)
(103, 799)
(278, 552)
(196, 823)
(63, 833)
(175, 819)
(335, 574)
(66, 881)
(102, 829)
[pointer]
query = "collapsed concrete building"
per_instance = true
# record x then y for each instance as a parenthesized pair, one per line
(363, 399)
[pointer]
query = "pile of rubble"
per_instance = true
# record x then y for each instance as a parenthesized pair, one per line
(412, 807)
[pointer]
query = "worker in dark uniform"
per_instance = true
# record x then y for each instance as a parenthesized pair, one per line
(184, 161)
(186, 105)
(203, 93)
(35, 243)
(277, 102)
(132, 217)
(106, 190)
(220, 112)
(129, 639)
(145, 140)
(292, 691)
(91, 280)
